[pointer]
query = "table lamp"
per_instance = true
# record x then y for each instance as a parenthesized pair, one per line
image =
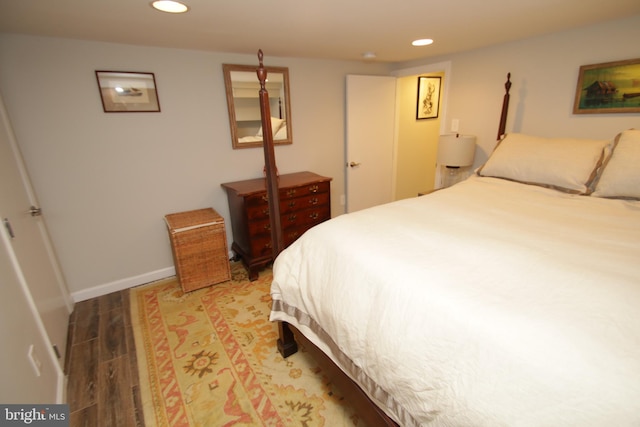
(455, 153)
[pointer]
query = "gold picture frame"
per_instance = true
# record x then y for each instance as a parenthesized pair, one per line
(128, 92)
(609, 87)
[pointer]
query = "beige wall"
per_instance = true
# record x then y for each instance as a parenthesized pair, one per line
(105, 181)
(417, 141)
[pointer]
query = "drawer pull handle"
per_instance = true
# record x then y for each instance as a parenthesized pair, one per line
(267, 226)
(292, 203)
(313, 201)
(292, 217)
(314, 215)
(265, 198)
(291, 193)
(265, 212)
(313, 189)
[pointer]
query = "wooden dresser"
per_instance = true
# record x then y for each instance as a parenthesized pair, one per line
(305, 201)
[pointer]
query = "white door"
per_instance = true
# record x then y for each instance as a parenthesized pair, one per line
(22, 334)
(34, 258)
(370, 126)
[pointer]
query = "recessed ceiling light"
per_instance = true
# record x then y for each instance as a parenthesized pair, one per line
(169, 6)
(369, 55)
(422, 42)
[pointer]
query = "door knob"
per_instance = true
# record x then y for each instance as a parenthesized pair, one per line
(354, 164)
(34, 211)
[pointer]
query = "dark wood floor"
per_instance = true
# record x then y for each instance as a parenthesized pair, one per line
(101, 364)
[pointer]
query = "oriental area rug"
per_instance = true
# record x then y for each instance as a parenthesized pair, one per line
(208, 358)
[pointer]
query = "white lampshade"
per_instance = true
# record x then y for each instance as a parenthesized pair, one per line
(455, 150)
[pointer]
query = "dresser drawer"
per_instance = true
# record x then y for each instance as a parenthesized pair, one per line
(306, 217)
(308, 201)
(304, 190)
(259, 211)
(261, 199)
(261, 246)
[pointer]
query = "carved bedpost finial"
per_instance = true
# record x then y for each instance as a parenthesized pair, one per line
(261, 71)
(505, 108)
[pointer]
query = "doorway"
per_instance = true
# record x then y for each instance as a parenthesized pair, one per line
(426, 144)
(402, 179)
(417, 139)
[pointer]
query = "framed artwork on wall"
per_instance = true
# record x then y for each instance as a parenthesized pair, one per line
(610, 87)
(428, 103)
(126, 92)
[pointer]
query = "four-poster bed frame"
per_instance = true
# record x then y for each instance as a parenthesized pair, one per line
(286, 343)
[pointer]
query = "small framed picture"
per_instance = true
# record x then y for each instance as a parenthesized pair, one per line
(428, 97)
(610, 87)
(127, 92)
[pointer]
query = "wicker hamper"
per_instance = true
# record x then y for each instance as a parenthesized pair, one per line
(199, 245)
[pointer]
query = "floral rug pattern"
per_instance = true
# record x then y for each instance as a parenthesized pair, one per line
(208, 358)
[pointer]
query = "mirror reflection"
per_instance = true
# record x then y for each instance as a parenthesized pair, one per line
(243, 102)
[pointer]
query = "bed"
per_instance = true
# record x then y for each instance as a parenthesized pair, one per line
(278, 129)
(509, 299)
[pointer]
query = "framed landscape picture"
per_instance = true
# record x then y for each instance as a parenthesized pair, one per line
(124, 91)
(610, 87)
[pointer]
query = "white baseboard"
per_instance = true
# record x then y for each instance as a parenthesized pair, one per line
(61, 388)
(126, 283)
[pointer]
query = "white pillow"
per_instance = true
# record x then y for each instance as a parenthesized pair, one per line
(620, 177)
(566, 164)
(282, 132)
(276, 123)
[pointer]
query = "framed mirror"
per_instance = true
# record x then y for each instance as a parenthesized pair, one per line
(242, 87)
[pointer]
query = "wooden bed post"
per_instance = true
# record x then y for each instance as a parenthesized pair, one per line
(271, 171)
(286, 343)
(505, 107)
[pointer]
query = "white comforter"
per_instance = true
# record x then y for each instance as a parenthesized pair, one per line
(490, 303)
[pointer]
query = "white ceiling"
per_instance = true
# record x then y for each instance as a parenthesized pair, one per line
(327, 29)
